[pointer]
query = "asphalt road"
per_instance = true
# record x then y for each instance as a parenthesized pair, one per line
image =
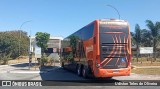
(22, 72)
(64, 76)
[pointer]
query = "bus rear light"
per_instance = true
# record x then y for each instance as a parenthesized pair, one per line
(98, 61)
(98, 64)
(130, 59)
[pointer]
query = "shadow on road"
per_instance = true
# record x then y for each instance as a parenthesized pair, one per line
(24, 65)
(62, 76)
(47, 68)
(59, 76)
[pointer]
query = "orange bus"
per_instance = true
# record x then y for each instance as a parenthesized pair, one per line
(102, 49)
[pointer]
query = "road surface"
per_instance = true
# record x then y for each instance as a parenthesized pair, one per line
(22, 72)
(58, 73)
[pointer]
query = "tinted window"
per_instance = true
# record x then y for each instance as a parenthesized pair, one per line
(115, 27)
(86, 32)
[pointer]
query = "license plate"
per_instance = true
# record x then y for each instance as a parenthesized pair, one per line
(116, 71)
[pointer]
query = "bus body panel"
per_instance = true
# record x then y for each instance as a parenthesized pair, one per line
(104, 46)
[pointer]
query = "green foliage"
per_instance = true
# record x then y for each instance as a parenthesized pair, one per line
(73, 40)
(154, 28)
(44, 59)
(42, 39)
(70, 56)
(9, 45)
(132, 39)
(4, 58)
(73, 43)
(146, 39)
(137, 36)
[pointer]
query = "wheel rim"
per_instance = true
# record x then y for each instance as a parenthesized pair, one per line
(78, 71)
(84, 73)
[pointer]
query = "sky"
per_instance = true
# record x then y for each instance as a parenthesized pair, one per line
(64, 17)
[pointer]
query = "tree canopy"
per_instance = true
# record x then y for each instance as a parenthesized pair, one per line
(42, 39)
(9, 44)
(147, 37)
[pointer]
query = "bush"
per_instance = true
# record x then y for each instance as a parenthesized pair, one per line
(9, 44)
(70, 56)
(44, 59)
(4, 58)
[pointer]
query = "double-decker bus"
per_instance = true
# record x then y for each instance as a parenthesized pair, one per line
(102, 49)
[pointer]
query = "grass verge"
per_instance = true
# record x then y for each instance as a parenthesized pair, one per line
(149, 71)
(146, 63)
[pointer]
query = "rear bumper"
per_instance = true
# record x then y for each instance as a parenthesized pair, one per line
(112, 72)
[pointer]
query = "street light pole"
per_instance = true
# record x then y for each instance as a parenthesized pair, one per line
(20, 35)
(30, 53)
(114, 9)
(59, 51)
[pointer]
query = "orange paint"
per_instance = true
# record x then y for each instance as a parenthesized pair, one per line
(93, 54)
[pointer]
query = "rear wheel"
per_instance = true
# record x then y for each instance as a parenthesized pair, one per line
(85, 72)
(62, 64)
(109, 77)
(79, 70)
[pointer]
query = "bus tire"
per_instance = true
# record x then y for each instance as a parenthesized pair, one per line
(79, 70)
(85, 72)
(62, 64)
(109, 77)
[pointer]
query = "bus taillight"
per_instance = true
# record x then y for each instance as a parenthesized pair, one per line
(98, 64)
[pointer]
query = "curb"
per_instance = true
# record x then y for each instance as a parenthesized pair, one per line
(138, 67)
(3, 65)
(26, 72)
(29, 71)
(12, 64)
(45, 71)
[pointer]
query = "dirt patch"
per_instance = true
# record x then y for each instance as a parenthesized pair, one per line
(21, 59)
(148, 71)
(146, 63)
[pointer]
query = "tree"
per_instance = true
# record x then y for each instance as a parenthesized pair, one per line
(132, 39)
(146, 39)
(154, 28)
(74, 43)
(9, 45)
(137, 38)
(42, 39)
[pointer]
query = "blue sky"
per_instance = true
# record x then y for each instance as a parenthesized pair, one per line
(63, 17)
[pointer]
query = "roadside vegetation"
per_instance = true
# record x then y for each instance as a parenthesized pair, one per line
(10, 41)
(146, 38)
(148, 71)
(14, 47)
(42, 40)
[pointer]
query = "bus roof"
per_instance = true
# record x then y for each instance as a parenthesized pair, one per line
(112, 19)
